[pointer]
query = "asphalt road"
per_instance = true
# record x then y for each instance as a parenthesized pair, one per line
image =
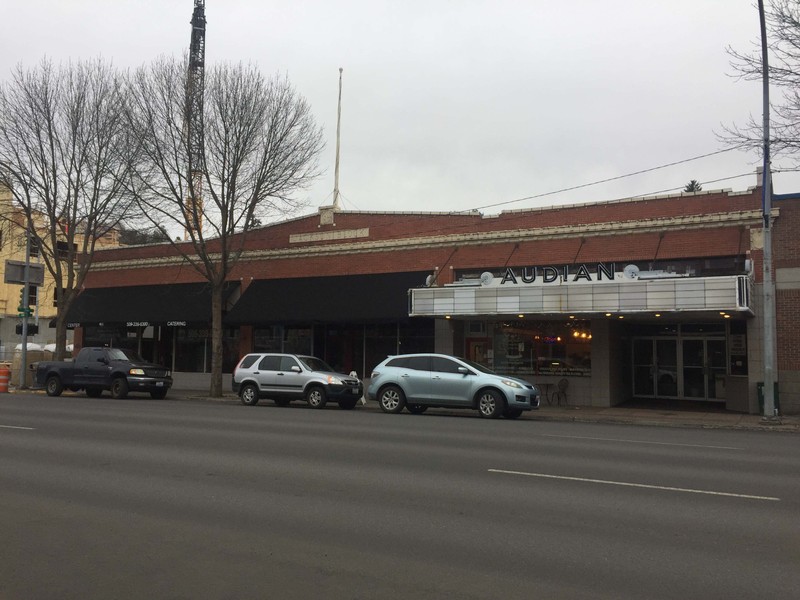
(189, 499)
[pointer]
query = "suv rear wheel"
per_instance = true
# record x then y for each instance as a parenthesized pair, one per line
(490, 404)
(315, 396)
(249, 394)
(392, 399)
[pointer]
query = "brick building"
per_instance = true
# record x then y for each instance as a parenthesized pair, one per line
(653, 298)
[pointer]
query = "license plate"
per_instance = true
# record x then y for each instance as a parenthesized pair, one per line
(159, 383)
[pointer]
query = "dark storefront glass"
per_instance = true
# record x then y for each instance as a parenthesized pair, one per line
(380, 341)
(416, 335)
(193, 350)
(268, 339)
(542, 348)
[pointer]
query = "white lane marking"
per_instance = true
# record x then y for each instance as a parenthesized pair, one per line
(580, 437)
(638, 485)
(14, 427)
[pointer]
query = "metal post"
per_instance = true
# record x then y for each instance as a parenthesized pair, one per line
(23, 368)
(338, 130)
(770, 412)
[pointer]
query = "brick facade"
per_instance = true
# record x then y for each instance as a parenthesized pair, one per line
(653, 230)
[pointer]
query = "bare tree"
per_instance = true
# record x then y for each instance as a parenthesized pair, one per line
(260, 145)
(783, 32)
(64, 155)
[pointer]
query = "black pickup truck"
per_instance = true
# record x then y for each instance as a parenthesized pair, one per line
(96, 369)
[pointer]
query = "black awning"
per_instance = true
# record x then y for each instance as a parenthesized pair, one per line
(326, 299)
(150, 304)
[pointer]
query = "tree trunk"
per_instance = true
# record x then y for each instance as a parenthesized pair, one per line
(61, 335)
(215, 390)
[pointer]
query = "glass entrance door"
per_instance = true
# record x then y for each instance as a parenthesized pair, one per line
(691, 368)
(655, 367)
(704, 368)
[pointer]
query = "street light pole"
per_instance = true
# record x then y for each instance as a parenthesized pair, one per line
(768, 286)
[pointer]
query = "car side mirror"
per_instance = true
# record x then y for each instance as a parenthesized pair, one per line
(103, 360)
(296, 369)
(464, 370)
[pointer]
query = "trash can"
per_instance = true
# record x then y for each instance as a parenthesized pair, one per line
(760, 388)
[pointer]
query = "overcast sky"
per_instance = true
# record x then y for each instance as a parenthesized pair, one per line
(463, 104)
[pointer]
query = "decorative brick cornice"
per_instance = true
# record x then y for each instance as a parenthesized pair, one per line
(481, 238)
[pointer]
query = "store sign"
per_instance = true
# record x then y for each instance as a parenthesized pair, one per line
(550, 274)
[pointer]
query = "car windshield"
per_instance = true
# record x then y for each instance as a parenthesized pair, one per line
(315, 364)
(122, 354)
(478, 367)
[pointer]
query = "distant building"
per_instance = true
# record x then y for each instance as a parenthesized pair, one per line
(42, 298)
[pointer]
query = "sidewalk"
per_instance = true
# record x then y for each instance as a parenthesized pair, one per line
(588, 414)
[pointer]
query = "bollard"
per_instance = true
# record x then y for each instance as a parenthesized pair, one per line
(5, 374)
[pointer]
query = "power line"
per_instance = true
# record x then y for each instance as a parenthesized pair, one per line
(584, 185)
(682, 187)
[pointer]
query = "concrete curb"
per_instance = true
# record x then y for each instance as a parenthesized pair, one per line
(577, 414)
(620, 416)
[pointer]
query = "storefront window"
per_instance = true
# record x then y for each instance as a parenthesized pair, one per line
(268, 339)
(297, 340)
(193, 350)
(533, 348)
(417, 336)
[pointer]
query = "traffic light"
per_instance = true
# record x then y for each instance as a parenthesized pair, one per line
(24, 309)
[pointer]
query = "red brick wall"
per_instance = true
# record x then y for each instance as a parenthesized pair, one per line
(787, 324)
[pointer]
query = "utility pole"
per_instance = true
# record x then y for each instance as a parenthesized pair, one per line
(768, 311)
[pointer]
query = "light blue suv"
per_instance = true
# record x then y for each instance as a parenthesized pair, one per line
(419, 381)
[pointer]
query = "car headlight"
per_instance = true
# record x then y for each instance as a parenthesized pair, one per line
(512, 384)
(136, 372)
(334, 380)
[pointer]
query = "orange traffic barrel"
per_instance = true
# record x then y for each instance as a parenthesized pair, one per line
(5, 374)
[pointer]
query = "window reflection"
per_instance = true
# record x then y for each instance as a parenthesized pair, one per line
(536, 348)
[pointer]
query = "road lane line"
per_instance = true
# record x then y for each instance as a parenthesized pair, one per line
(637, 485)
(15, 427)
(581, 437)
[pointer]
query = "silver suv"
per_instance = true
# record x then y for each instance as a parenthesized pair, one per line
(417, 381)
(286, 377)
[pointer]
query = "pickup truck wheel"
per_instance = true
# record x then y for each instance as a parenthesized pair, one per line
(119, 388)
(158, 394)
(315, 396)
(392, 399)
(53, 386)
(94, 392)
(249, 395)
